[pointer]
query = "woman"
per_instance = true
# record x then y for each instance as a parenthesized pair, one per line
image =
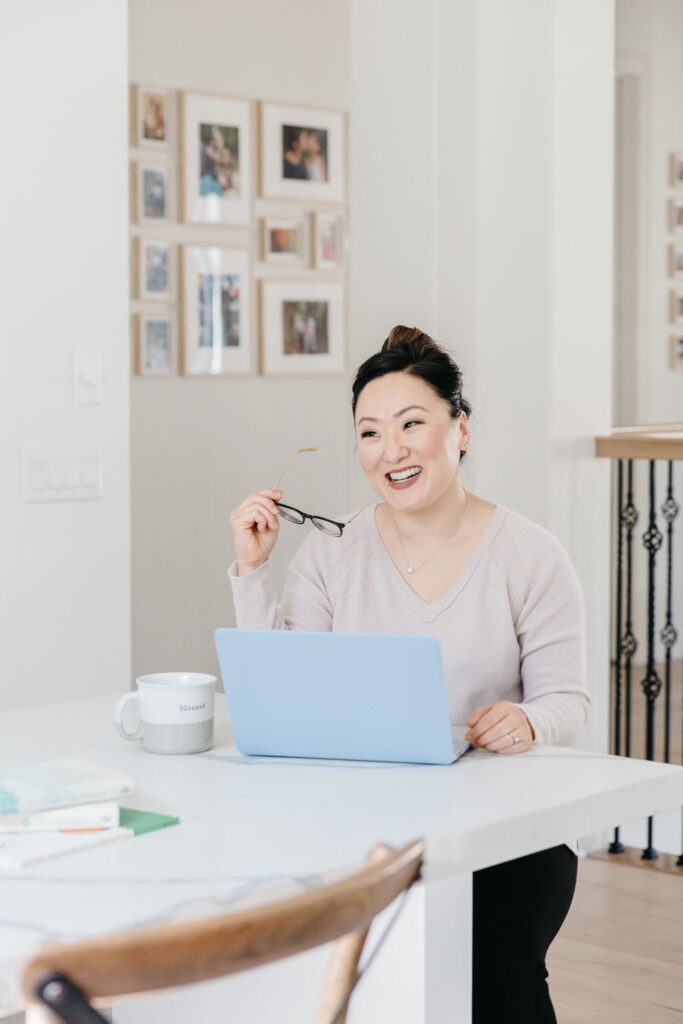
(316, 165)
(498, 592)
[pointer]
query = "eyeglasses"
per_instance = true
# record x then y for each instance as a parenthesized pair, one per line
(294, 515)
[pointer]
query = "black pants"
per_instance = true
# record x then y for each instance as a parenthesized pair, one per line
(518, 908)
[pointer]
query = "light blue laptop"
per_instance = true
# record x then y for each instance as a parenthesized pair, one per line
(352, 696)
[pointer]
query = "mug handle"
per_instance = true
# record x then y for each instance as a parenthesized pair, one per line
(118, 713)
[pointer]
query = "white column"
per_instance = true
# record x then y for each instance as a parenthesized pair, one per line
(65, 593)
(481, 193)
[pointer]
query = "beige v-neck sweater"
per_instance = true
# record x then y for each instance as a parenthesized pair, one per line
(510, 627)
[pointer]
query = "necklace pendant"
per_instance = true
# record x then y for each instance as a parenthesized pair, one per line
(410, 570)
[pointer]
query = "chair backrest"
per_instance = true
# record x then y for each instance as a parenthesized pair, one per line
(149, 959)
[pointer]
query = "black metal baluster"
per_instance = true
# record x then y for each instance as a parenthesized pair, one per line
(616, 846)
(669, 634)
(629, 644)
(651, 684)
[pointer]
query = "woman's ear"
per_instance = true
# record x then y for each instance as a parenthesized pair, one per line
(465, 434)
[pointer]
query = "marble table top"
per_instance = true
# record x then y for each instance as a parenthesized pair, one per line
(253, 827)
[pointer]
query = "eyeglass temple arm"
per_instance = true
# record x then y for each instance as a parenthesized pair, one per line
(289, 462)
(359, 511)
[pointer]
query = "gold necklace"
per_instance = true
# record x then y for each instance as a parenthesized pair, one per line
(410, 569)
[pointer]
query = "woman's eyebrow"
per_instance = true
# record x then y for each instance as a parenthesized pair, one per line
(395, 415)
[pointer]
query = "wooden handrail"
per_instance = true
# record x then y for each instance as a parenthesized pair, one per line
(652, 441)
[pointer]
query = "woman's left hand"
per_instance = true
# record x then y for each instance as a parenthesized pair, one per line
(501, 727)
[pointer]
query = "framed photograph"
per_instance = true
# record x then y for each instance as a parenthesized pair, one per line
(676, 352)
(216, 311)
(677, 307)
(676, 260)
(676, 215)
(155, 269)
(328, 236)
(156, 356)
(152, 116)
(677, 170)
(303, 152)
(303, 326)
(153, 194)
(283, 239)
(217, 159)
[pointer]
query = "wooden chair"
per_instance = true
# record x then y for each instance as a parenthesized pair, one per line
(65, 978)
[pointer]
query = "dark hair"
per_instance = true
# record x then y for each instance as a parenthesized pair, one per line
(410, 350)
(290, 135)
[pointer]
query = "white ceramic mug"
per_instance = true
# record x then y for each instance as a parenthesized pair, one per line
(176, 712)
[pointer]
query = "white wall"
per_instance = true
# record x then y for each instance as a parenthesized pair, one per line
(491, 226)
(64, 567)
(200, 446)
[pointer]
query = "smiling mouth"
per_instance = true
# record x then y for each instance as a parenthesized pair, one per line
(400, 476)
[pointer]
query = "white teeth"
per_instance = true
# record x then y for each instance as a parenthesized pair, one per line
(404, 474)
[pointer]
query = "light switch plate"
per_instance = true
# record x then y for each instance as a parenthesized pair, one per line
(62, 473)
(87, 377)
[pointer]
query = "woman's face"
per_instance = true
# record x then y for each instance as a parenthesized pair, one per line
(408, 443)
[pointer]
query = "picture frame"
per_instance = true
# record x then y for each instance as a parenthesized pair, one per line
(217, 142)
(676, 172)
(676, 260)
(282, 239)
(153, 117)
(676, 352)
(676, 300)
(153, 193)
(303, 329)
(676, 216)
(217, 311)
(156, 268)
(303, 153)
(157, 354)
(328, 241)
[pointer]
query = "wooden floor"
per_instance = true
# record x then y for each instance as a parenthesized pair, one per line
(619, 956)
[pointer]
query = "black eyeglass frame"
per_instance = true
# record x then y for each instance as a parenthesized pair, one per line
(315, 519)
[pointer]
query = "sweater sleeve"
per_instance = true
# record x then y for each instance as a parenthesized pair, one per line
(551, 633)
(305, 605)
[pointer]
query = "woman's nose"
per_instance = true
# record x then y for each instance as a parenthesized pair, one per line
(395, 449)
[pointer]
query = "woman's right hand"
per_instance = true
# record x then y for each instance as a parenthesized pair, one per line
(255, 526)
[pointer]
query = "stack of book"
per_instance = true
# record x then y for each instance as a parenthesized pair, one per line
(55, 807)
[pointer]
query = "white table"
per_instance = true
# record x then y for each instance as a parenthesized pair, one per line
(251, 824)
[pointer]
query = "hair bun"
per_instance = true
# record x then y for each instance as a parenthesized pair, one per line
(409, 337)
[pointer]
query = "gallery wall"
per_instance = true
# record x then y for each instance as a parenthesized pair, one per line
(200, 445)
(649, 39)
(64, 565)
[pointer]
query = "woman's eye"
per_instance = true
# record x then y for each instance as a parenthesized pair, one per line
(412, 423)
(369, 433)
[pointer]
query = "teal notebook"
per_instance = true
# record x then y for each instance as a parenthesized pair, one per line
(37, 786)
(144, 821)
